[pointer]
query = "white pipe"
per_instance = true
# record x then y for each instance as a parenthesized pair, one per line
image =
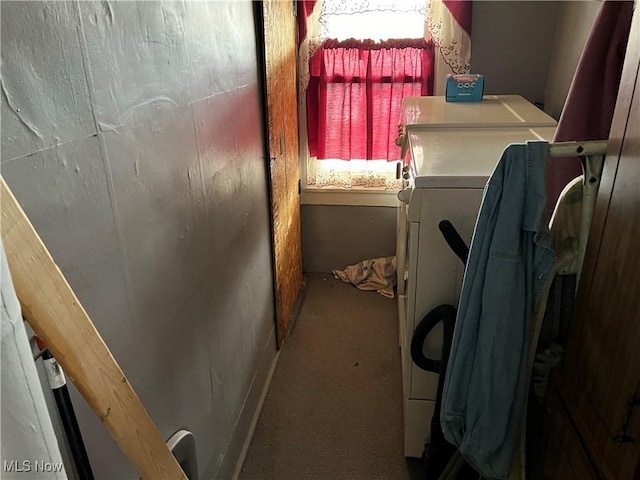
(578, 149)
(29, 445)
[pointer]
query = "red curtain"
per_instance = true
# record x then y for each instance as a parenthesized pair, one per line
(304, 9)
(461, 11)
(355, 95)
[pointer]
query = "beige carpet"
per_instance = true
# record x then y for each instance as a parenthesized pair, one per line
(334, 407)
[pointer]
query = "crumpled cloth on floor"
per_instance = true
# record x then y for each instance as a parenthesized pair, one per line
(377, 274)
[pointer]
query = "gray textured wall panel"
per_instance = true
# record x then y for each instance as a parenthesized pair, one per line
(45, 97)
(336, 236)
(64, 192)
(148, 57)
(157, 200)
(574, 23)
(161, 220)
(226, 124)
(511, 46)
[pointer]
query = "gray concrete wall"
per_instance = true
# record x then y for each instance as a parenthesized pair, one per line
(511, 44)
(573, 26)
(334, 237)
(131, 135)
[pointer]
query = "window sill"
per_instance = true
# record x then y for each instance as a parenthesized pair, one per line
(370, 198)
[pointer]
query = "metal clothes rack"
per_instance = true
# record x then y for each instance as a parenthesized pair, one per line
(592, 155)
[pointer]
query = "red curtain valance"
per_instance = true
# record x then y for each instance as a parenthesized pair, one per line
(355, 95)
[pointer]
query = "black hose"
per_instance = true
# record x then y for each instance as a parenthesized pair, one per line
(444, 313)
(454, 240)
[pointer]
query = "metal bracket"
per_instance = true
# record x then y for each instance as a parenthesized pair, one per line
(592, 166)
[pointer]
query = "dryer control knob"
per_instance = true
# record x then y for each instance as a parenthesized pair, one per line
(404, 195)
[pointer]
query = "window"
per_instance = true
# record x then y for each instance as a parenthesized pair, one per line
(346, 82)
(374, 20)
(357, 81)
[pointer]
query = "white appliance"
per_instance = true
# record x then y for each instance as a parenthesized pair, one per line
(421, 113)
(451, 158)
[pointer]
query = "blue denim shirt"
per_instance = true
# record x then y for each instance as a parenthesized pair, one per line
(509, 261)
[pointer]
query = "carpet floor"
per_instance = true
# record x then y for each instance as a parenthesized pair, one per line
(334, 406)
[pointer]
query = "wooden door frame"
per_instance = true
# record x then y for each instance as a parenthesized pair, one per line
(258, 10)
(258, 22)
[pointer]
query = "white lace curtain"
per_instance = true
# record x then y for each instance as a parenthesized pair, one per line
(448, 25)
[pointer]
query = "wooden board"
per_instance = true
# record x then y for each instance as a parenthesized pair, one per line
(566, 458)
(282, 118)
(56, 315)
